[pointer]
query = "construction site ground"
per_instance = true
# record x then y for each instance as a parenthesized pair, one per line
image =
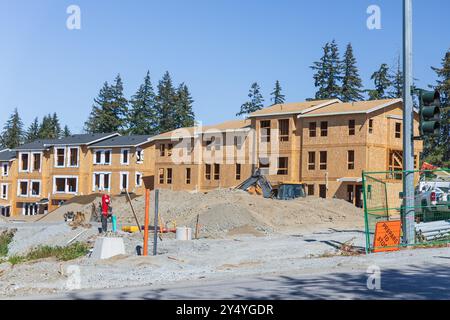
(240, 235)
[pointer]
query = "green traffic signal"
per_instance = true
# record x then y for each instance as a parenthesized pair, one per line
(430, 102)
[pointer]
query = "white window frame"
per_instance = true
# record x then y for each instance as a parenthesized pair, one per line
(69, 154)
(56, 157)
(27, 188)
(5, 173)
(32, 161)
(28, 164)
(66, 187)
(102, 181)
(31, 188)
(122, 173)
(4, 196)
(102, 157)
(141, 151)
(121, 156)
(135, 179)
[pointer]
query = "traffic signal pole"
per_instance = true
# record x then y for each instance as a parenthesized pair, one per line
(408, 144)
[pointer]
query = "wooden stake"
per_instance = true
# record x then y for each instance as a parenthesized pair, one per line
(134, 213)
(196, 228)
(147, 213)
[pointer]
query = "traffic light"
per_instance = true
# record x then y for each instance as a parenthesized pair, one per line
(430, 103)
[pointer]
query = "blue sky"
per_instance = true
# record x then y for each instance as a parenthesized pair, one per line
(217, 47)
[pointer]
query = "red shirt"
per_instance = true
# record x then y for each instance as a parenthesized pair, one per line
(106, 200)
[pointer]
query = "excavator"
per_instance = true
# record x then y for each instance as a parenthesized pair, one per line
(259, 184)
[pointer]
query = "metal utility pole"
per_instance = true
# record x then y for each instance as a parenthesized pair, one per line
(408, 117)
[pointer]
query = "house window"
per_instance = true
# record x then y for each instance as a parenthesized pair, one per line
(323, 160)
(23, 188)
(238, 171)
(238, 142)
(217, 143)
(101, 181)
(65, 185)
(60, 157)
(188, 176)
(169, 149)
(124, 180)
(351, 159)
(311, 160)
(207, 171)
(138, 179)
(398, 130)
(324, 128)
(24, 161)
(370, 126)
(283, 127)
(73, 157)
(36, 162)
(98, 157)
(208, 143)
(5, 169)
(310, 188)
(169, 175)
(162, 150)
(124, 159)
(312, 129)
(265, 130)
(102, 157)
(282, 166)
(351, 127)
(139, 155)
(264, 165)
(35, 188)
(216, 171)
(161, 175)
(4, 194)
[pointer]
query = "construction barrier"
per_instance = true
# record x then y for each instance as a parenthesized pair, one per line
(384, 207)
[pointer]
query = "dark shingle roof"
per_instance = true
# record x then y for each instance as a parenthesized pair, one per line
(122, 141)
(7, 155)
(76, 139)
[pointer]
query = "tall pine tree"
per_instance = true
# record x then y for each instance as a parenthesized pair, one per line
(382, 83)
(185, 116)
(397, 81)
(142, 117)
(33, 131)
(66, 132)
(12, 135)
(277, 95)
(165, 104)
(255, 103)
(50, 127)
(109, 111)
(351, 81)
(328, 73)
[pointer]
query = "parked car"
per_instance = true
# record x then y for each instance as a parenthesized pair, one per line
(432, 201)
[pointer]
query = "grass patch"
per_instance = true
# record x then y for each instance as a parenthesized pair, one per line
(5, 239)
(67, 253)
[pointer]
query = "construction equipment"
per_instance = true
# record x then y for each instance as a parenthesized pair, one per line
(259, 184)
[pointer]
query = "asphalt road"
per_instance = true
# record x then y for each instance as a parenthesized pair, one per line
(431, 281)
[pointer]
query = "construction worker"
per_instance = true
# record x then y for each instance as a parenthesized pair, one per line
(106, 212)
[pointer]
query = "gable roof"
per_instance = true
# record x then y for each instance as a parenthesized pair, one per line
(74, 140)
(292, 108)
(363, 107)
(227, 126)
(7, 155)
(122, 141)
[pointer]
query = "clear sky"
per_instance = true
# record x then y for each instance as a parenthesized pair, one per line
(218, 47)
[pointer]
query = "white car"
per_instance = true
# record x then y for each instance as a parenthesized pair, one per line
(432, 201)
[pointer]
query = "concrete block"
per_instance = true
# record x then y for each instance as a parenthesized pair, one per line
(106, 247)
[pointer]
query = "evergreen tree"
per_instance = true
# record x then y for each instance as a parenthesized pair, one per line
(33, 131)
(382, 83)
(142, 117)
(397, 81)
(277, 96)
(12, 135)
(66, 132)
(165, 104)
(328, 73)
(255, 103)
(109, 111)
(50, 127)
(185, 116)
(56, 126)
(351, 81)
